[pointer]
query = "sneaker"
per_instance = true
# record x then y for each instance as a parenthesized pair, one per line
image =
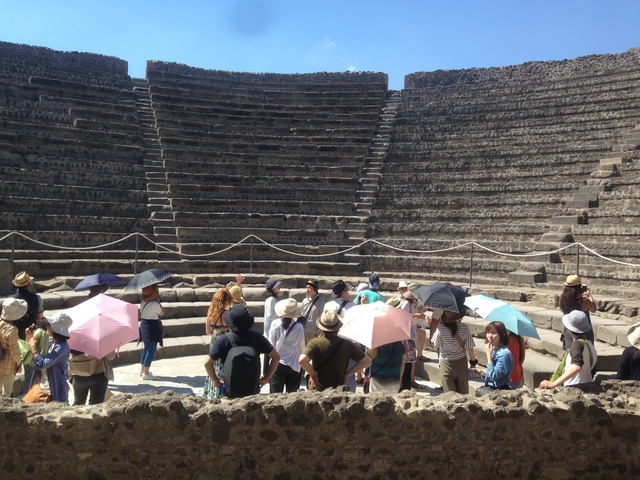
(149, 376)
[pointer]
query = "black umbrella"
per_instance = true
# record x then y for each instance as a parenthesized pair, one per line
(100, 279)
(147, 278)
(442, 295)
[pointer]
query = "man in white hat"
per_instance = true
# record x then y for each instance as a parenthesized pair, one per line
(287, 337)
(325, 358)
(12, 309)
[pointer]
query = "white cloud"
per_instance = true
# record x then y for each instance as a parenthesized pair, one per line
(352, 69)
(328, 43)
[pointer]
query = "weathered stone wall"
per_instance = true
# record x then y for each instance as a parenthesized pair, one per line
(76, 66)
(589, 66)
(158, 68)
(572, 433)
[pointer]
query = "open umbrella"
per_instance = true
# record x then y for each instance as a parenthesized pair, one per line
(102, 324)
(375, 324)
(492, 309)
(100, 279)
(147, 278)
(442, 295)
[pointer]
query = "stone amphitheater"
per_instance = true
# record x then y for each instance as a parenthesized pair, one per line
(503, 180)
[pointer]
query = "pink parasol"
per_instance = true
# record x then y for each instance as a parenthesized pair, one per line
(375, 324)
(102, 324)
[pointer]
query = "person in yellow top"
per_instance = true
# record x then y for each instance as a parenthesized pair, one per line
(12, 309)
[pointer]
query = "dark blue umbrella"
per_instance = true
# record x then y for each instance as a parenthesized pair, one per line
(147, 278)
(442, 295)
(100, 279)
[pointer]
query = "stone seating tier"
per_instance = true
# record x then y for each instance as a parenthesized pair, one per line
(180, 160)
(33, 132)
(78, 192)
(502, 98)
(500, 134)
(74, 179)
(89, 165)
(259, 135)
(217, 115)
(223, 145)
(247, 192)
(269, 130)
(261, 252)
(121, 102)
(24, 222)
(577, 90)
(262, 220)
(45, 98)
(322, 102)
(335, 177)
(239, 164)
(49, 206)
(262, 205)
(308, 236)
(342, 124)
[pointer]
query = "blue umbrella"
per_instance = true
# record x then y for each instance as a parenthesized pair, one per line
(100, 279)
(494, 310)
(148, 278)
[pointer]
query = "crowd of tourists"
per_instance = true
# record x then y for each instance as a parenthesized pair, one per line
(300, 345)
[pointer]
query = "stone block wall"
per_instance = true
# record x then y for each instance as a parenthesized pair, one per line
(570, 433)
(514, 75)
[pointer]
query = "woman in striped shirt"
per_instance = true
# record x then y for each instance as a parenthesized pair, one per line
(454, 340)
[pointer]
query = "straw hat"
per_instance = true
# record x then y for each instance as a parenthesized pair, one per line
(288, 308)
(22, 280)
(236, 293)
(329, 321)
(573, 281)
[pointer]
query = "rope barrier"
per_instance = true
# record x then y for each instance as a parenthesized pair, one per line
(322, 255)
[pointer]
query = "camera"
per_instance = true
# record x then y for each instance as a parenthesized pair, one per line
(33, 327)
(584, 288)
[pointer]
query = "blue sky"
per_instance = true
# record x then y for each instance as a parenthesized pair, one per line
(304, 36)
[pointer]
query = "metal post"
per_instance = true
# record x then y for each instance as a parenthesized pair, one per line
(471, 268)
(135, 260)
(371, 255)
(577, 259)
(13, 246)
(251, 257)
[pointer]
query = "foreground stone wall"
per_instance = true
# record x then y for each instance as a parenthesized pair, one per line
(572, 433)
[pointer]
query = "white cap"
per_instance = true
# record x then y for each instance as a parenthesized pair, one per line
(403, 284)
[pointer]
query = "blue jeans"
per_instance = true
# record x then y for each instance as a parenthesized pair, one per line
(148, 352)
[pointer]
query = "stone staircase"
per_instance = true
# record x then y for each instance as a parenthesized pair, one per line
(160, 214)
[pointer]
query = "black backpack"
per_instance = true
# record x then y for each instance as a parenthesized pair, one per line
(241, 369)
